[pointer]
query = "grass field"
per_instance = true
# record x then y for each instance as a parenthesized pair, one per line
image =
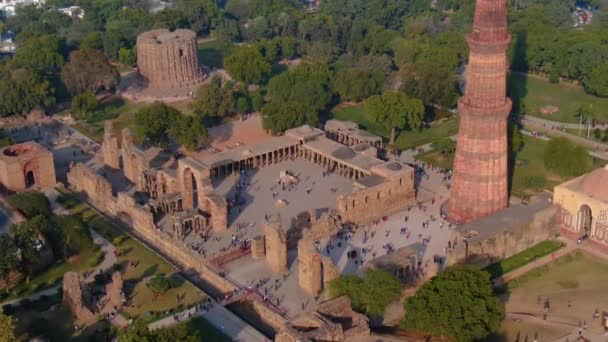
(523, 258)
(142, 299)
(529, 173)
(405, 139)
(210, 54)
(535, 93)
(575, 284)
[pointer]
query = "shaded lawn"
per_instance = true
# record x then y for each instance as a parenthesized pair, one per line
(535, 93)
(131, 250)
(210, 54)
(405, 139)
(523, 258)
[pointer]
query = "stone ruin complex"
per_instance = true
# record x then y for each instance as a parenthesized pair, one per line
(332, 320)
(162, 199)
(26, 166)
(78, 296)
(167, 64)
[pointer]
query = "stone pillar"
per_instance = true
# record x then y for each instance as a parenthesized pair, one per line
(110, 149)
(276, 245)
(258, 248)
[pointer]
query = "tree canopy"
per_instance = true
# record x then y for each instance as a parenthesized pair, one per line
(246, 64)
(565, 158)
(154, 122)
(89, 70)
(369, 294)
(395, 110)
(7, 329)
(214, 99)
(159, 284)
(138, 331)
(458, 303)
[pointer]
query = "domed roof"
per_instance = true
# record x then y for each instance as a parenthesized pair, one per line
(344, 153)
(595, 184)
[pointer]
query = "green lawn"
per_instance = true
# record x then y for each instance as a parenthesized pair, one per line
(142, 298)
(437, 160)
(535, 93)
(210, 54)
(523, 258)
(405, 139)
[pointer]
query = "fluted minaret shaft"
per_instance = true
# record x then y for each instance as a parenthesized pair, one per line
(480, 182)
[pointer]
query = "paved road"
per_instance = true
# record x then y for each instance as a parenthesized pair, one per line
(559, 125)
(222, 319)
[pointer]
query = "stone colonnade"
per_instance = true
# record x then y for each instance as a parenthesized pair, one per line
(256, 161)
(349, 140)
(331, 164)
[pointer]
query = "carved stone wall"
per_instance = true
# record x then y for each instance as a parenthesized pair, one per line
(369, 204)
(506, 241)
(132, 161)
(114, 291)
(86, 181)
(315, 271)
(258, 250)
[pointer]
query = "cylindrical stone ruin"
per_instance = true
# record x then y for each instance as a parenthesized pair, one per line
(169, 59)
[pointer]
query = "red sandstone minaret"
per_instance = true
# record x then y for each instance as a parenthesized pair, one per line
(480, 182)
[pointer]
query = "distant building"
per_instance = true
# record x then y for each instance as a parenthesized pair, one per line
(9, 7)
(7, 43)
(72, 11)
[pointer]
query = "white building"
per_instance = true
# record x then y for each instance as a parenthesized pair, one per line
(8, 7)
(7, 43)
(72, 11)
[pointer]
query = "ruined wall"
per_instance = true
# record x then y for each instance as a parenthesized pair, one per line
(258, 248)
(16, 161)
(314, 270)
(131, 159)
(86, 181)
(75, 297)
(507, 241)
(369, 204)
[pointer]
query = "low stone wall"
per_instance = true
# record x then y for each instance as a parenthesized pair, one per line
(510, 238)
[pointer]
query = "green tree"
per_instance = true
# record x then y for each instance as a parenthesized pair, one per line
(596, 82)
(27, 237)
(516, 139)
(40, 54)
(395, 110)
(127, 57)
(83, 103)
(7, 329)
(370, 293)
(458, 303)
(190, 132)
(159, 284)
(242, 105)
(155, 122)
(357, 84)
(257, 101)
(89, 70)
(246, 64)
(92, 40)
(214, 99)
(9, 259)
(565, 158)
(22, 90)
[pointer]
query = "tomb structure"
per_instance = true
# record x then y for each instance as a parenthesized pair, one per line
(26, 166)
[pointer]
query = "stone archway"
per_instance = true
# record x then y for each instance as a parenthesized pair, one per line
(585, 219)
(30, 174)
(189, 189)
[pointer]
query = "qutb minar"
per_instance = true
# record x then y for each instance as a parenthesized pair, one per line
(480, 181)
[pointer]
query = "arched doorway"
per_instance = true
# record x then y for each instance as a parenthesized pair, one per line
(189, 189)
(30, 180)
(585, 219)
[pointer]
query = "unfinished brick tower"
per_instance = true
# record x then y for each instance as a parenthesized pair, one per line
(168, 59)
(480, 182)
